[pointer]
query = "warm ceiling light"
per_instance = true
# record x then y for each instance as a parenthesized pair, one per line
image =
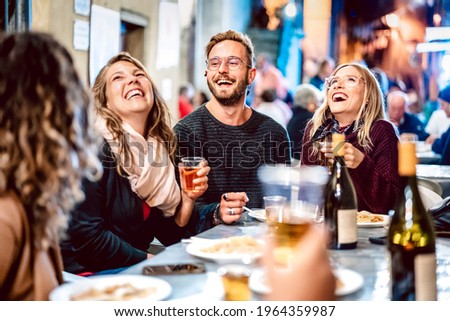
(392, 20)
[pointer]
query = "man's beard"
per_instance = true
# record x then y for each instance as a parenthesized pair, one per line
(227, 99)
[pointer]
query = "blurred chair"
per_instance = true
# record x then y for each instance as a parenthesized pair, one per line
(428, 183)
(429, 197)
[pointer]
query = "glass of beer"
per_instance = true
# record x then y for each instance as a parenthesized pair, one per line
(189, 167)
(408, 137)
(287, 227)
(235, 282)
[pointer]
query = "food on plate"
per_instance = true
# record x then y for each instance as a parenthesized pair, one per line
(235, 245)
(366, 217)
(117, 292)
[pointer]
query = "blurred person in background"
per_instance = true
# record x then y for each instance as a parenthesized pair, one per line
(47, 146)
(354, 106)
(445, 153)
(199, 98)
(184, 102)
(138, 197)
(396, 84)
(382, 79)
(275, 108)
(415, 106)
(268, 77)
(325, 68)
(310, 69)
(439, 121)
(235, 139)
(397, 108)
(306, 100)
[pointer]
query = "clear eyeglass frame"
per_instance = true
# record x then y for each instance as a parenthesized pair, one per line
(349, 81)
(232, 63)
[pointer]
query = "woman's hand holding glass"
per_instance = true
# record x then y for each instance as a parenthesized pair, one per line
(190, 195)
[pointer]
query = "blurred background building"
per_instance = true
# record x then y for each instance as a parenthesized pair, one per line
(408, 40)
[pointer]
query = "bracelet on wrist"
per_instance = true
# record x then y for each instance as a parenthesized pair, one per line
(216, 216)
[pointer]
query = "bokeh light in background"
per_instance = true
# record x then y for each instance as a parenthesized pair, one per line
(290, 10)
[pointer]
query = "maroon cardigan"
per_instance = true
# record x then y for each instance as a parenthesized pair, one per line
(376, 179)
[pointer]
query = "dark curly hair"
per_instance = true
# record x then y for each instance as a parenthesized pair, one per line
(47, 142)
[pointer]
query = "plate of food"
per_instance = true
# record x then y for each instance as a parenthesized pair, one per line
(367, 219)
(228, 250)
(347, 282)
(113, 288)
(258, 214)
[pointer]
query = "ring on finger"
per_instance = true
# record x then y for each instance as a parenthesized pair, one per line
(231, 211)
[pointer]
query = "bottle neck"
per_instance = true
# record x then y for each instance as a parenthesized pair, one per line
(410, 180)
(407, 159)
(407, 170)
(339, 160)
(339, 166)
(411, 195)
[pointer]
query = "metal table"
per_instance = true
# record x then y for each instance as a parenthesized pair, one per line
(370, 260)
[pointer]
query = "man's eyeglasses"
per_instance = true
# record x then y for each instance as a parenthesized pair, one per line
(232, 63)
(348, 81)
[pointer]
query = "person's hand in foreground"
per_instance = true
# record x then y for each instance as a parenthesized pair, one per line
(308, 278)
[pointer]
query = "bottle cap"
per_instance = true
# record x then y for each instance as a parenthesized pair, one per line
(338, 144)
(407, 159)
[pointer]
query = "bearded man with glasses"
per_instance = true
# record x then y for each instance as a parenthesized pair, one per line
(233, 138)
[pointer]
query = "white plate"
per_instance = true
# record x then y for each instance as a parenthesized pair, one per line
(373, 224)
(351, 282)
(196, 249)
(258, 214)
(66, 291)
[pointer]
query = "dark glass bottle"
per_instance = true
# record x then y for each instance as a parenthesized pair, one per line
(340, 202)
(411, 237)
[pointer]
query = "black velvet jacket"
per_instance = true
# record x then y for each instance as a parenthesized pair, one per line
(108, 230)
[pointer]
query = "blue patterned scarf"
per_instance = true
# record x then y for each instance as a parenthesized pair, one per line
(331, 126)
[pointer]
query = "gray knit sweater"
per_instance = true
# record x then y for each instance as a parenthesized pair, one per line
(234, 154)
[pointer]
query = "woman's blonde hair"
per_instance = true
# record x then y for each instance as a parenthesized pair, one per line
(158, 119)
(47, 142)
(372, 109)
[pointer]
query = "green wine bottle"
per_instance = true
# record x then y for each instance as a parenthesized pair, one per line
(411, 237)
(340, 202)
